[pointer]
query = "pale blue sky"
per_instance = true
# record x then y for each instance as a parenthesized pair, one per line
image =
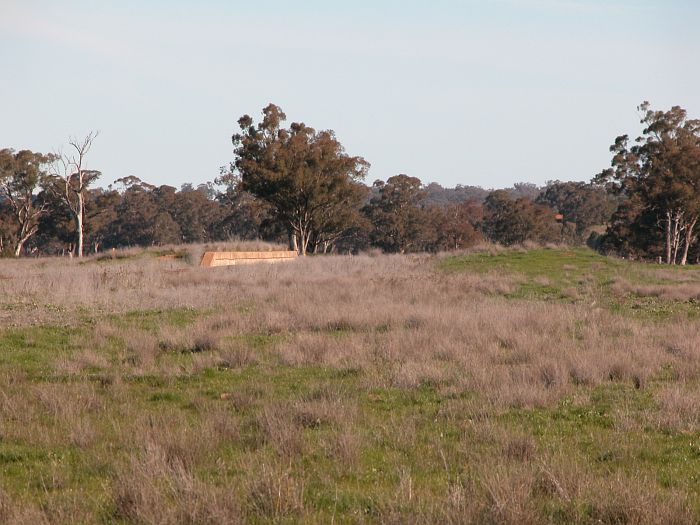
(458, 92)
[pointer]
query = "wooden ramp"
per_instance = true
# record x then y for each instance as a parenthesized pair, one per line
(212, 259)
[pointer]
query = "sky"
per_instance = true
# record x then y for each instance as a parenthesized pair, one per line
(486, 93)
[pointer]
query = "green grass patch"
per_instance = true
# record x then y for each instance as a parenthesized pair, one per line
(34, 349)
(580, 275)
(152, 319)
(589, 430)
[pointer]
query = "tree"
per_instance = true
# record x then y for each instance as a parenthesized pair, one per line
(581, 205)
(135, 218)
(100, 212)
(304, 175)
(71, 180)
(436, 195)
(455, 225)
(6, 222)
(21, 174)
(398, 222)
(632, 232)
(194, 214)
(340, 219)
(526, 190)
(512, 221)
(662, 171)
(56, 235)
(245, 217)
(131, 181)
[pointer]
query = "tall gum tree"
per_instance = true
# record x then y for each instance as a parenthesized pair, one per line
(309, 182)
(397, 218)
(662, 170)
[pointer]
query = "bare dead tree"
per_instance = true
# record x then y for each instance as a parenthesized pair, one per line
(71, 179)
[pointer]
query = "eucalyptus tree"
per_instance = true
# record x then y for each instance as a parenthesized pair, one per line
(310, 183)
(22, 175)
(661, 169)
(398, 219)
(511, 221)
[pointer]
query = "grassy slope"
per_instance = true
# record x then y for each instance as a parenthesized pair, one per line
(581, 275)
(409, 446)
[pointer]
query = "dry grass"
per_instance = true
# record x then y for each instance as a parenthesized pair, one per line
(682, 289)
(368, 389)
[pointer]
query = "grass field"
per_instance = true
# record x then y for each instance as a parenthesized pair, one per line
(500, 386)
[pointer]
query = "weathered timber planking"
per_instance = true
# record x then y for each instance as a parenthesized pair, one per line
(213, 259)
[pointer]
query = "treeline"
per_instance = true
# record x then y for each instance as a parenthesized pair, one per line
(298, 186)
(395, 216)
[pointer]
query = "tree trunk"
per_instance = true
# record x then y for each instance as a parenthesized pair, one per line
(687, 241)
(295, 243)
(24, 235)
(668, 237)
(304, 240)
(673, 233)
(79, 221)
(677, 230)
(304, 234)
(20, 241)
(301, 235)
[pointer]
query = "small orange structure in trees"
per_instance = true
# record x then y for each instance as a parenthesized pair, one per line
(212, 259)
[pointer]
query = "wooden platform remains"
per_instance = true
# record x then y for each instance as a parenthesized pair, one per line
(212, 259)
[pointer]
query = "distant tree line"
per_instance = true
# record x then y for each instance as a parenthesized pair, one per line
(298, 186)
